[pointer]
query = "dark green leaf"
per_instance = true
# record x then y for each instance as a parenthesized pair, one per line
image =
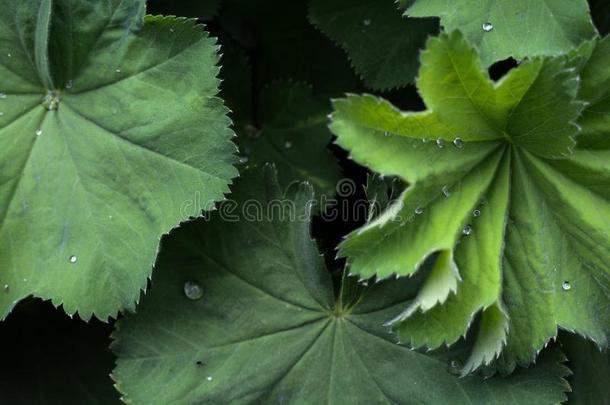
(263, 326)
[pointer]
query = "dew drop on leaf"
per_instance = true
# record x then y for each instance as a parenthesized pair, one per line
(38, 132)
(193, 290)
(566, 286)
(3, 95)
(458, 143)
(386, 133)
(73, 259)
(425, 140)
(117, 70)
(455, 367)
(209, 378)
(288, 145)
(1, 113)
(419, 210)
(243, 159)
(367, 22)
(446, 191)
(488, 27)
(440, 142)
(6, 287)
(476, 213)
(467, 230)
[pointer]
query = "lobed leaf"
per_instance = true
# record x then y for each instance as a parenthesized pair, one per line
(111, 134)
(264, 325)
(382, 46)
(518, 212)
(294, 136)
(518, 29)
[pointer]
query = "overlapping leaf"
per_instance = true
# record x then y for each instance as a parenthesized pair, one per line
(128, 141)
(518, 28)
(382, 46)
(518, 213)
(262, 326)
(294, 136)
(591, 371)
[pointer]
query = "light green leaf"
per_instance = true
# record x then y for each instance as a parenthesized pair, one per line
(499, 189)
(518, 28)
(294, 136)
(266, 328)
(130, 141)
(382, 45)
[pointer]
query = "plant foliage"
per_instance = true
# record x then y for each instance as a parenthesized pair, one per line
(492, 154)
(109, 125)
(444, 238)
(267, 328)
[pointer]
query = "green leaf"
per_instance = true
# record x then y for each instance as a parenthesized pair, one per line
(294, 136)
(381, 45)
(130, 141)
(48, 359)
(518, 29)
(286, 45)
(499, 188)
(591, 371)
(266, 328)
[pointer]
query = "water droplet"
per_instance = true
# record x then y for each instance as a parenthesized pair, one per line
(288, 145)
(455, 367)
(3, 95)
(446, 192)
(117, 70)
(25, 280)
(566, 286)
(458, 143)
(193, 290)
(425, 140)
(367, 22)
(209, 378)
(386, 133)
(467, 230)
(243, 159)
(1, 113)
(171, 30)
(488, 27)
(440, 142)
(419, 210)
(10, 55)
(6, 287)
(38, 132)
(476, 213)
(69, 84)
(73, 259)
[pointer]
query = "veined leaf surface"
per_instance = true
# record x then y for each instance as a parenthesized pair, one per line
(111, 134)
(519, 213)
(517, 28)
(243, 312)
